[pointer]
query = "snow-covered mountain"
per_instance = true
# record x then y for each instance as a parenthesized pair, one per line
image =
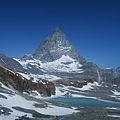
(57, 56)
(53, 47)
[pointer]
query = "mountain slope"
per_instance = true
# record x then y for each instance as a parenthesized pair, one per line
(10, 63)
(57, 56)
(53, 47)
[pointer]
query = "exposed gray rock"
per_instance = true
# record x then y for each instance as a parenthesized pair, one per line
(10, 63)
(33, 112)
(2, 96)
(5, 111)
(54, 46)
(17, 82)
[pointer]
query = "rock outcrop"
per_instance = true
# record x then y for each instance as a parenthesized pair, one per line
(21, 84)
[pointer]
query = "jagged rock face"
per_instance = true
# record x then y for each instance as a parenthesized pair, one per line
(53, 47)
(21, 84)
(10, 63)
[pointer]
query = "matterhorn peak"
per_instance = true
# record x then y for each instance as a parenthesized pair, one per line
(55, 46)
(58, 30)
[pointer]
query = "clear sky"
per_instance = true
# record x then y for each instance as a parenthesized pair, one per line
(93, 26)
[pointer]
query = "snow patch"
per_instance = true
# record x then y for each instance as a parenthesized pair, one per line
(115, 92)
(115, 116)
(16, 100)
(36, 78)
(64, 64)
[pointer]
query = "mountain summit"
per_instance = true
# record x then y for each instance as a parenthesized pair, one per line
(58, 30)
(56, 56)
(56, 45)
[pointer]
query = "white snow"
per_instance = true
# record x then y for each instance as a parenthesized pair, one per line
(6, 87)
(87, 87)
(108, 68)
(84, 88)
(2, 60)
(7, 69)
(50, 110)
(115, 116)
(115, 92)
(37, 77)
(115, 95)
(64, 64)
(17, 100)
(112, 108)
(61, 91)
(49, 77)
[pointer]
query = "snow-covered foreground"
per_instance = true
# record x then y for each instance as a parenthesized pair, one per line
(18, 101)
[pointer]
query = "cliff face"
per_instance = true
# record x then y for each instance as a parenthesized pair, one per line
(56, 45)
(21, 84)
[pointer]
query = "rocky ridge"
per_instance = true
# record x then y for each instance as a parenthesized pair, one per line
(17, 82)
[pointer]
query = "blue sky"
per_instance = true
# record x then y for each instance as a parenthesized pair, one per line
(93, 26)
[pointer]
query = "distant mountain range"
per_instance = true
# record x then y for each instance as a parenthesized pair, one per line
(115, 72)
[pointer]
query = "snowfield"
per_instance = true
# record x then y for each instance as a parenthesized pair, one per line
(19, 101)
(63, 64)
